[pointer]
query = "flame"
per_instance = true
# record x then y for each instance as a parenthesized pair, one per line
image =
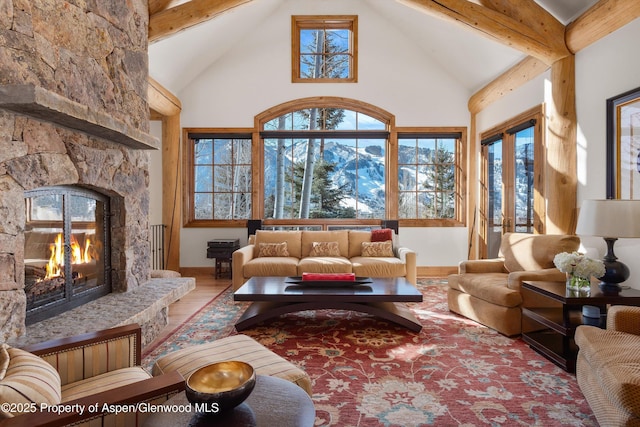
(79, 255)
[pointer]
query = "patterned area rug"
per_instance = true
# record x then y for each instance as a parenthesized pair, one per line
(369, 372)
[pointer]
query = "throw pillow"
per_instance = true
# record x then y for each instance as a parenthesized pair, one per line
(324, 249)
(273, 249)
(26, 378)
(377, 249)
(381, 235)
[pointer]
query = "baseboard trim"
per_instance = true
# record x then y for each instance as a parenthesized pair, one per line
(197, 271)
(430, 271)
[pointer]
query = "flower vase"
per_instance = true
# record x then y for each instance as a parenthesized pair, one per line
(577, 284)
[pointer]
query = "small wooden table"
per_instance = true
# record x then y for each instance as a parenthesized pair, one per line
(382, 297)
(550, 331)
(273, 402)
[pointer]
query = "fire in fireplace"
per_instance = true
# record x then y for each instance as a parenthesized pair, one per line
(66, 249)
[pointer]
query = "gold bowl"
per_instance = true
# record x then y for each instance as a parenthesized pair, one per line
(222, 386)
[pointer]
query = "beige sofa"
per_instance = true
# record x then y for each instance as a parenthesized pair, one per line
(608, 367)
(488, 290)
(247, 263)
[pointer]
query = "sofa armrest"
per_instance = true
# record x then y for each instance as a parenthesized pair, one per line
(238, 259)
(515, 279)
(116, 348)
(152, 391)
(408, 256)
(494, 265)
(624, 319)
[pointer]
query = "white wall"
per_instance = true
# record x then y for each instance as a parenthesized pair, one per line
(605, 69)
(256, 75)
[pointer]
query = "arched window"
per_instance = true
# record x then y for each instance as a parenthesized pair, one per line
(323, 159)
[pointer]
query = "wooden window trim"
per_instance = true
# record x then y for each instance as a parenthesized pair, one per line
(539, 203)
(347, 22)
(188, 200)
(257, 168)
(461, 178)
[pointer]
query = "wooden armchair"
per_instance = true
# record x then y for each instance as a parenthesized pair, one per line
(95, 370)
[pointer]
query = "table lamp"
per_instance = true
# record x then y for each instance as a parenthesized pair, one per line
(610, 219)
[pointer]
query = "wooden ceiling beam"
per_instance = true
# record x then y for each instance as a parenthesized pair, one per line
(156, 6)
(507, 82)
(161, 100)
(499, 27)
(601, 19)
(170, 21)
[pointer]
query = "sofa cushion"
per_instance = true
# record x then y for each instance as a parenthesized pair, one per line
(271, 266)
(356, 237)
(612, 357)
(268, 236)
(340, 236)
(378, 266)
(325, 249)
(527, 252)
(273, 249)
(26, 378)
(490, 287)
(377, 249)
(381, 235)
(103, 382)
(324, 265)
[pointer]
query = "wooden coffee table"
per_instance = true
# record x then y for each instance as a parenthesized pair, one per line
(275, 296)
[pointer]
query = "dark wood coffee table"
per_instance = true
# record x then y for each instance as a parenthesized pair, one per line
(381, 297)
(273, 402)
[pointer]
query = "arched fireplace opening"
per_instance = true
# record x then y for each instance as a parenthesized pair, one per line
(67, 249)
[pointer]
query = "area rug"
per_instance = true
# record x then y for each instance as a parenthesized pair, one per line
(369, 372)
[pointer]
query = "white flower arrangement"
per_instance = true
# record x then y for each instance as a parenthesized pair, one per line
(577, 264)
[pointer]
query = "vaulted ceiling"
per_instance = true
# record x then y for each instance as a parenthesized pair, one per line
(187, 36)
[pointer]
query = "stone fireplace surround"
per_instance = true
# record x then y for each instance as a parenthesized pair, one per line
(73, 111)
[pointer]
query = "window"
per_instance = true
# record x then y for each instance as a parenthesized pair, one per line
(429, 176)
(220, 176)
(328, 161)
(324, 49)
(324, 163)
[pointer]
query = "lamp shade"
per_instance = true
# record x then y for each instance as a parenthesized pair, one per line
(612, 218)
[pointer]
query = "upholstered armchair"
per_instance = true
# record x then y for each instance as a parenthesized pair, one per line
(489, 290)
(95, 368)
(608, 367)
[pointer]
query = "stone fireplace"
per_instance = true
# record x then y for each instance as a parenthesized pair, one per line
(73, 115)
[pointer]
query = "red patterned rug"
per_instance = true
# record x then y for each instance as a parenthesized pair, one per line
(369, 372)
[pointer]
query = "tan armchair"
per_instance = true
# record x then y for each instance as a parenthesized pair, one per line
(489, 291)
(608, 367)
(95, 368)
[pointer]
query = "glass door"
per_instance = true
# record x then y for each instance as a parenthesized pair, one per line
(513, 200)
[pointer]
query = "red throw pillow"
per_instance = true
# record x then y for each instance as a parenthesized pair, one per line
(381, 235)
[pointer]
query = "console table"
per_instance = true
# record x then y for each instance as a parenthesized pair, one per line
(550, 330)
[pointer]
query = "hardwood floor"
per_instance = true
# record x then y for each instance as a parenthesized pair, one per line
(207, 288)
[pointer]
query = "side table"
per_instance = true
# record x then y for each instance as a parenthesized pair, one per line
(550, 331)
(273, 402)
(222, 250)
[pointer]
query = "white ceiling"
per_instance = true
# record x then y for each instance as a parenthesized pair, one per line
(471, 59)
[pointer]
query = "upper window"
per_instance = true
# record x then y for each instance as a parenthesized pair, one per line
(324, 49)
